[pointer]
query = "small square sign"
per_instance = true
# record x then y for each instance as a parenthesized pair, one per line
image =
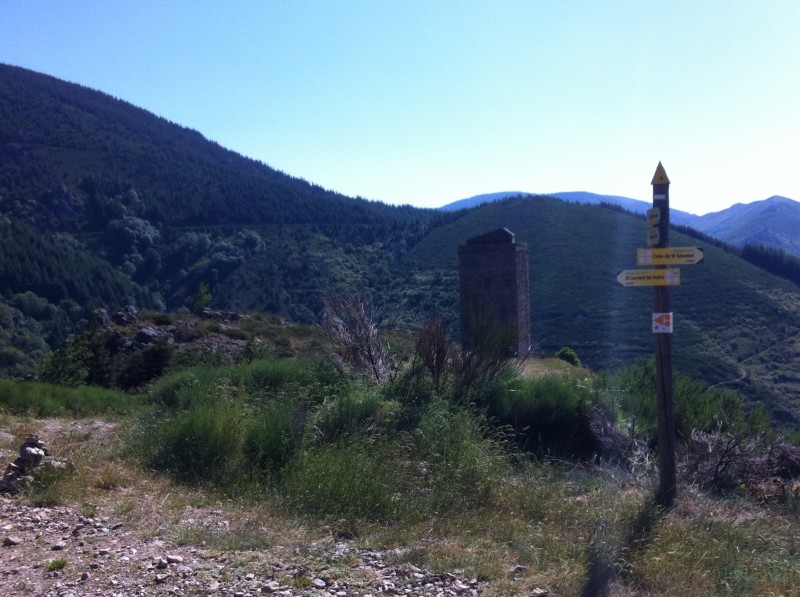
(662, 323)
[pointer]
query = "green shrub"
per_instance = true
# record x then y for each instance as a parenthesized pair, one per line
(212, 327)
(203, 444)
(67, 366)
(570, 356)
(484, 391)
(632, 394)
(267, 375)
(697, 407)
(283, 348)
(460, 461)
(186, 388)
(158, 317)
(412, 386)
(231, 424)
(201, 299)
(236, 334)
(145, 365)
(271, 439)
(547, 415)
(357, 412)
(56, 565)
(412, 389)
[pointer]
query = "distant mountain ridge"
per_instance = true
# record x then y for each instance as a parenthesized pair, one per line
(772, 222)
(582, 197)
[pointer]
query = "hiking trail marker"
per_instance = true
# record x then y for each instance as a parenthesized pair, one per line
(662, 323)
(669, 256)
(662, 315)
(650, 277)
(659, 255)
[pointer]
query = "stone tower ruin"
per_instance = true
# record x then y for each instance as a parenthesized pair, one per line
(495, 291)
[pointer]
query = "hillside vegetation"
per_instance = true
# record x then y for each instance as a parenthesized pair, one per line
(529, 485)
(168, 210)
(105, 204)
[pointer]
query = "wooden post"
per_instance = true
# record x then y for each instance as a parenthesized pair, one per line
(667, 489)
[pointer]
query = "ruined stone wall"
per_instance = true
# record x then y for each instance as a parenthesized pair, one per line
(495, 289)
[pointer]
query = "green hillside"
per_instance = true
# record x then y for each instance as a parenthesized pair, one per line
(103, 204)
(732, 319)
(67, 151)
(164, 210)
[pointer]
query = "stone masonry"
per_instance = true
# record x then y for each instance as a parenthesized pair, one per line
(495, 289)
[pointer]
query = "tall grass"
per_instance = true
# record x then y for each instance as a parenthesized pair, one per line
(460, 461)
(202, 444)
(269, 374)
(185, 388)
(451, 462)
(344, 451)
(358, 412)
(261, 379)
(39, 399)
(271, 439)
(354, 479)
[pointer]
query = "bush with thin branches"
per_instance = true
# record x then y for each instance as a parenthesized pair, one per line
(351, 323)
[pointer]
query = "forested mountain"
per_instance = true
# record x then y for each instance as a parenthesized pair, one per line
(152, 210)
(633, 205)
(105, 204)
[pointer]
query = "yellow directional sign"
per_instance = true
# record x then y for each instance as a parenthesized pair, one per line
(669, 256)
(653, 236)
(653, 216)
(650, 277)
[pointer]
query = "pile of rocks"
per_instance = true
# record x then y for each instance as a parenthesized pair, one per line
(19, 472)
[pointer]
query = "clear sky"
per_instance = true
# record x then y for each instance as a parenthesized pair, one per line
(430, 101)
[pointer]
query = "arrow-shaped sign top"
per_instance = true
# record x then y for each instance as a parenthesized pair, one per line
(669, 256)
(650, 277)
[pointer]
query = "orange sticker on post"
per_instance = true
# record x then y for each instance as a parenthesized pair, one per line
(662, 323)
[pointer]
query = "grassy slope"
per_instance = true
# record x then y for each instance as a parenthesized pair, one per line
(727, 312)
(557, 526)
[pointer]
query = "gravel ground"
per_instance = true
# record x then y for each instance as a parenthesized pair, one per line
(57, 551)
(63, 551)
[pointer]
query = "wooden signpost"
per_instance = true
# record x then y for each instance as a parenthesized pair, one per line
(668, 481)
(659, 255)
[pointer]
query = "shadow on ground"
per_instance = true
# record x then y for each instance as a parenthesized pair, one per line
(605, 567)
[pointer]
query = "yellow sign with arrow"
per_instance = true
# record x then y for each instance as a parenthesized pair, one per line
(669, 256)
(650, 277)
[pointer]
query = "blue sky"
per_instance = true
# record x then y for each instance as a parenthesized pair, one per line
(428, 102)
